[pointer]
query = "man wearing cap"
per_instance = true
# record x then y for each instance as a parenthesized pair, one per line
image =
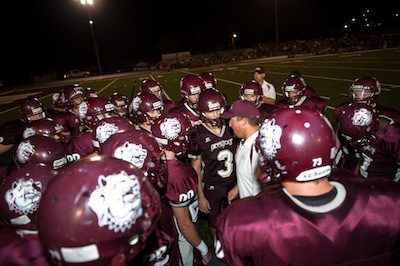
(244, 120)
(269, 94)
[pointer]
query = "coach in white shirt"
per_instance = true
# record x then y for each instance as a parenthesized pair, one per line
(269, 94)
(244, 120)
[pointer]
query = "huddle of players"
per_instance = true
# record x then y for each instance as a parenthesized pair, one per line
(100, 211)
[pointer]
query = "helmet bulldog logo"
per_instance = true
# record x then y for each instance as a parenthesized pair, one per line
(132, 153)
(28, 132)
(82, 109)
(170, 128)
(105, 130)
(24, 151)
(362, 117)
(270, 138)
(23, 198)
(116, 201)
(136, 103)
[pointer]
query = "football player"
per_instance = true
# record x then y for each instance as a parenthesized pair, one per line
(154, 87)
(146, 109)
(214, 163)
(379, 148)
(293, 95)
(120, 103)
(172, 130)
(314, 217)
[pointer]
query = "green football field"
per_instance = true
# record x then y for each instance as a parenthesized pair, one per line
(330, 76)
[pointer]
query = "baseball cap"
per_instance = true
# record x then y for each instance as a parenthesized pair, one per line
(259, 70)
(243, 109)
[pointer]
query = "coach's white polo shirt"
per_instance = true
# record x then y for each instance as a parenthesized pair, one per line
(268, 90)
(247, 160)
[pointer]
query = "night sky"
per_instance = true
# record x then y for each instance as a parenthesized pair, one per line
(39, 36)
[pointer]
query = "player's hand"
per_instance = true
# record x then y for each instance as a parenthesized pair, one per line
(204, 205)
(207, 258)
(233, 194)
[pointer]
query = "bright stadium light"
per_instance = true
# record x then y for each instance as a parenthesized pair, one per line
(346, 26)
(87, 2)
(353, 19)
(91, 22)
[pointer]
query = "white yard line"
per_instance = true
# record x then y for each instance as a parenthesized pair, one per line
(108, 85)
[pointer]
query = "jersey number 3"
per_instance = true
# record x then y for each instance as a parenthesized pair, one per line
(227, 157)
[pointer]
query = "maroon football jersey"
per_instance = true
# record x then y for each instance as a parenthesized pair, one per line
(265, 109)
(217, 153)
(69, 121)
(11, 132)
(193, 115)
(381, 158)
(313, 103)
(162, 247)
(80, 146)
(168, 105)
(390, 114)
(26, 250)
(359, 227)
(181, 190)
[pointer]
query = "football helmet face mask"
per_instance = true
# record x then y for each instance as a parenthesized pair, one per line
(32, 109)
(108, 127)
(297, 144)
(74, 95)
(98, 108)
(209, 80)
(20, 194)
(59, 101)
(39, 149)
(172, 130)
(44, 127)
(212, 100)
(357, 123)
(102, 218)
(251, 92)
(191, 85)
(151, 86)
(140, 149)
(120, 103)
(365, 90)
(293, 89)
(147, 108)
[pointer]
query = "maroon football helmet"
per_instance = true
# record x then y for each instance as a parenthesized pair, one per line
(297, 144)
(32, 107)
(58, 99)
(172, 130)
(140, 149)
(98, 108)
(212, 100)
(357, 123)
(120, 102)
(103, 217)
(293, 89)
(74, 95)
(40, 149)
(108, 127)
(151, 86)
(251, 91)
(90, 92)
(144, 103)
(365, 90)
(209, 80)
(20, 194)
(191, 84)
(45, 127)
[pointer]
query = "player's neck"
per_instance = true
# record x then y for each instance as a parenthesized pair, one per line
(217, 130)
(170, 155)
(250, 131)
(310, 188)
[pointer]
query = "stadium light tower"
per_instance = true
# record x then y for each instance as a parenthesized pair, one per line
(276, 22)
(91, 22)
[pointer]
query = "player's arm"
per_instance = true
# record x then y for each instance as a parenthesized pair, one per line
(268, 100)
(190, 232)
(204, 205)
